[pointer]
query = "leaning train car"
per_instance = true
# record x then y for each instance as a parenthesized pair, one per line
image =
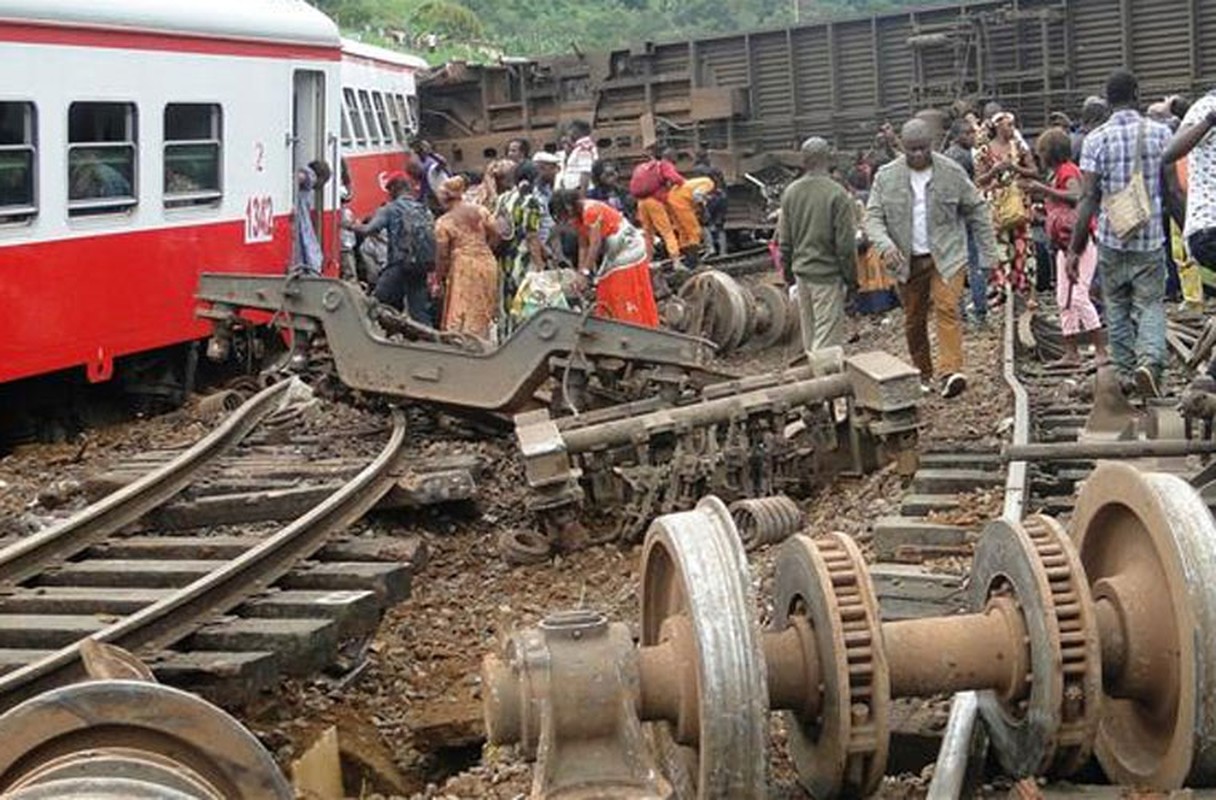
(749, 98)
(142, 143)
(379, 115)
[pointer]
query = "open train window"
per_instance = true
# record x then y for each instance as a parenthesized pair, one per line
(394, 117)
(369, 117)
(356, 121)
(18, 159)
(193, 136)
(386, 133)
(101, 158)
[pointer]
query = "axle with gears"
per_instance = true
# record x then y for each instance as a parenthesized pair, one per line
(1099, 642)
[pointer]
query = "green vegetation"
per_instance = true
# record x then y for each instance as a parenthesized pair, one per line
(485, 29)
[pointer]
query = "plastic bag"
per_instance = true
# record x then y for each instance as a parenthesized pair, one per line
(538, 290)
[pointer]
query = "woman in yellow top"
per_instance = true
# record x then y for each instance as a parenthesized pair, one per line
(685, 202)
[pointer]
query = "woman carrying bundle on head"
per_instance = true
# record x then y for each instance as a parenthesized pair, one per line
(612, 254)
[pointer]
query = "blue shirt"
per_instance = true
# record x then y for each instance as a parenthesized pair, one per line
(1110, 153)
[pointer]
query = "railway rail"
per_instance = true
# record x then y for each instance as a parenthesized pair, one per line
(221, 614)
(1063, 644)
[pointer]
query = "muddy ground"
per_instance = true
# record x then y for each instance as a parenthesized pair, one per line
(411, 715)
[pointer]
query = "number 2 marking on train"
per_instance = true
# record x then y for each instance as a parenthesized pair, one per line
(259, 157)
(259, 219)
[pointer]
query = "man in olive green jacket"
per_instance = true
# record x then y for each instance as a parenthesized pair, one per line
(921, 207)
(817, 235)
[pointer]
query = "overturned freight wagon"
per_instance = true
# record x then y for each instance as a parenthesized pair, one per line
(749, 98)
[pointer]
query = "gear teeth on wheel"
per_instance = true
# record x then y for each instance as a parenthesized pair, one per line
(859, 624)
(1082, 681)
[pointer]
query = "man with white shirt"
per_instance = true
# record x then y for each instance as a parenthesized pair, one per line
(921, 207)
(579, 158)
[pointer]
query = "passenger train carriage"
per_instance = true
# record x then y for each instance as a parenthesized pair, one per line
(143, 142)
(379, 114)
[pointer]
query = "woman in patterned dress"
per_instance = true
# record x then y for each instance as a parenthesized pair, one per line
(464, 263)
(612, 253)
(999, 163)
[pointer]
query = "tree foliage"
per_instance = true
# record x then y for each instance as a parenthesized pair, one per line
(537, 27)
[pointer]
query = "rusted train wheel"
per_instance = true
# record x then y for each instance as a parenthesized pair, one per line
(1148, 545)
(696, 588)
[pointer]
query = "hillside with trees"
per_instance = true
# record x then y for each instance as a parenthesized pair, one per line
(486, 29)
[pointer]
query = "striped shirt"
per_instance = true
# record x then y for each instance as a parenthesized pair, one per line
(1110, 153)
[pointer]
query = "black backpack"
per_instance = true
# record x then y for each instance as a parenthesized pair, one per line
(411, 236)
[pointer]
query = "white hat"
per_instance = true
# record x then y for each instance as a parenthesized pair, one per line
(545, 157)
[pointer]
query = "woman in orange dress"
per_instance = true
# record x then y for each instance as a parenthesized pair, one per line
(613, 253)
(464, 263)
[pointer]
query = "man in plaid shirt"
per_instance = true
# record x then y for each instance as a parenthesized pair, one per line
(1133, 269)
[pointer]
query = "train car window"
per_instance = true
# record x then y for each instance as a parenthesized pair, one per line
(403, 114)
(394, 117)
(386, 132)
(101, 158)
(411, 105)
(194, 134)
(18, 157)
(356, 121)
(369, 117)
(346, 140)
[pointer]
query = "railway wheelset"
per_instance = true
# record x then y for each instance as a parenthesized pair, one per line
(1096, 640)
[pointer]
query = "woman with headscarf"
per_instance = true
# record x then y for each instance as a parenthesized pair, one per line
(612, 254)
(497, 180)
(521, 216)
(1000, 162)
(464, 263)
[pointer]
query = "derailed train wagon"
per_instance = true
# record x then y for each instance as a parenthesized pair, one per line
(750, 97)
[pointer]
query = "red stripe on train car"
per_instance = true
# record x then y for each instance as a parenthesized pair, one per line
(84, 302)
(33, 33)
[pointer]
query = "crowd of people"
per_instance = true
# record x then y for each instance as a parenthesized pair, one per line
(1116, 202)
(477, 254)
(950, 216)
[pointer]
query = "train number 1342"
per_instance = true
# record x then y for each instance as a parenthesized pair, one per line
(259, 219)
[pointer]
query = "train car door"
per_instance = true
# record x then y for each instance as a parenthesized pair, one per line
(309, 139)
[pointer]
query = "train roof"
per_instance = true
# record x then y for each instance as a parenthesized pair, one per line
(280, 21)
(371, 52)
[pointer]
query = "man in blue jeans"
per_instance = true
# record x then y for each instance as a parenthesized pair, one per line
(1132, 268)
(962, 143)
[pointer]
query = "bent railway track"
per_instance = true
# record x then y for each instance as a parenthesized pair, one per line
(218, 614)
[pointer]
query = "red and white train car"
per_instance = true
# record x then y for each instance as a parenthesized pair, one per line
(379, 115)
(143, 142)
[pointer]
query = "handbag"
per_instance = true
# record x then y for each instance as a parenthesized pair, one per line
(1129, 209)
(1011, 210)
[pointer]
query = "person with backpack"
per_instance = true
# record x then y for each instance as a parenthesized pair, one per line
(649, 185)
(402, 284)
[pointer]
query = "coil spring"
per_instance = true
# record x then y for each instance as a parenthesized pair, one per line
(766, 520)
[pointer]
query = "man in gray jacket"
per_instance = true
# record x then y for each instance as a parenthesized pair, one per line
(817, 235)
(921, 208)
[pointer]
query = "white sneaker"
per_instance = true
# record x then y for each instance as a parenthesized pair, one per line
(955, 384)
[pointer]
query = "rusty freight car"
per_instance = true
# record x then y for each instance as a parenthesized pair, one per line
(750, 97)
